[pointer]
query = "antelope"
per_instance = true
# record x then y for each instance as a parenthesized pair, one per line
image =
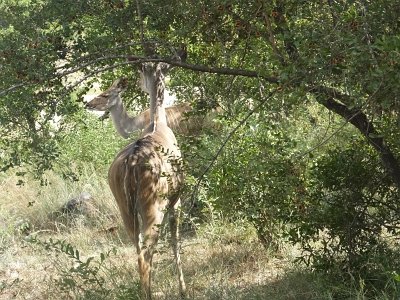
(145, 179)
(111, 100)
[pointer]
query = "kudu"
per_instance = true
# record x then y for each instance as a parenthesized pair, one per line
(178, 116)
(145, 179)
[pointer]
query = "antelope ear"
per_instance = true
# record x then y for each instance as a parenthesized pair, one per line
(121, 84)
(182, 52)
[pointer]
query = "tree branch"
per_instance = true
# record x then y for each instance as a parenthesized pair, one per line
(367, 129)
(330, 92)
(206, 69)
(326, 96)
(139, 12)
(133, 59)
(12, 88)
(86, 64)
(272, 40)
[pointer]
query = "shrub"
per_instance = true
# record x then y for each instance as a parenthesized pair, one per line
(350, 212)
(91, 143)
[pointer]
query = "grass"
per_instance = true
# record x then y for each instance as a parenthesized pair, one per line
(221, 260)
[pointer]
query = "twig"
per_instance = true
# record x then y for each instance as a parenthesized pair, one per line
(344, 98)
(91, 74)
(324, 141)
(84, 65)
(102, 52)
(139, 12)
(231, 133)
(271, 39)
(14, 87)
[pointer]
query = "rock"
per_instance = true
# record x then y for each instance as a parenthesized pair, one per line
(78, 205)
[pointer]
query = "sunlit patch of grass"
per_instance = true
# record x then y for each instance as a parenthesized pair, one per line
(35, 210)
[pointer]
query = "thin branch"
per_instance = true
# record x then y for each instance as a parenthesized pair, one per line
(327, 139)
(95, 72)
(224, 71)
(367, 36)
(271, 39)
(78, 82)
(229, 136)
(84, 65)
(14, 87)
(139, 12)
(110, 50)
(134, 59)
(102, 53)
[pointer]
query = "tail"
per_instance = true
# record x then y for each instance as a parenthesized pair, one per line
(131, 196)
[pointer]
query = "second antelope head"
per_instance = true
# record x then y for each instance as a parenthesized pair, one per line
(110, 97)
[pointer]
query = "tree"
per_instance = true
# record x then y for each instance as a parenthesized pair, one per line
(277, 56)
(342, 55)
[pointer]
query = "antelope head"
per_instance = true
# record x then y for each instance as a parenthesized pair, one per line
(110, 97)
(147, 75)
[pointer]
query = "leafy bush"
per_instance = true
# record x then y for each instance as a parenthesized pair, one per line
(255, 178)
(91, 143)
(350, 212)
(337, 203)
(88, 278)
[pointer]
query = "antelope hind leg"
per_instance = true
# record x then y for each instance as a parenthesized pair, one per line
(174, 215)
(151, 228)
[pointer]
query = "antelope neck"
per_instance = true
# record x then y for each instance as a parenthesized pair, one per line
(124, 124)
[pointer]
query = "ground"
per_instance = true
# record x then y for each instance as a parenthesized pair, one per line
(45, 254)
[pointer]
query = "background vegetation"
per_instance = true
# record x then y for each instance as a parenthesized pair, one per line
(302, 166)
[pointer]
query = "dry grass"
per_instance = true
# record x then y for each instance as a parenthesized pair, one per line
(221, 261)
